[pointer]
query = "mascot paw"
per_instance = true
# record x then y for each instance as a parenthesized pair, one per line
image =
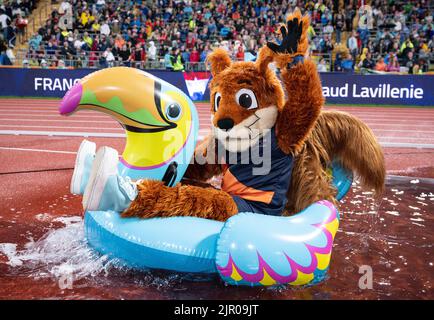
(145, 205)
(154, 199)
(294, 39)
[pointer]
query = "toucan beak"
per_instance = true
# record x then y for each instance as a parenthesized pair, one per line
(71, 100)
(132, 97)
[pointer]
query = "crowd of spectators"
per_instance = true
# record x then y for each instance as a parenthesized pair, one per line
(392, 37)
(385, 35)
(13, 21)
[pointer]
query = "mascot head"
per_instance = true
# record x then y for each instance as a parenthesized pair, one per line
(245, 99)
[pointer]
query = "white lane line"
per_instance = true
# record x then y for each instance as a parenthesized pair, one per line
(206, 115)
(56, 120)
(30, 103)
(407, 131)
(201, 129)
(407, 145)
(405, 138)
(65, 120)
(116, 135)
(59, 127)
(385, 110)
(55, 115)
(425, 119)
(72, 134)
(399, 125)
(202, 111)
(37, 150)
(63, 134)
(373, 126)
(58, 117)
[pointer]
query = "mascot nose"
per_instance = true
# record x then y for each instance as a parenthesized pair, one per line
(225, 124)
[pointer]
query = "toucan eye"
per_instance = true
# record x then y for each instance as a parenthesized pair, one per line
(173, 111)
(246, 99)
(217, 98)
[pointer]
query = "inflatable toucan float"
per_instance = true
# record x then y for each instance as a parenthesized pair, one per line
(247, 249)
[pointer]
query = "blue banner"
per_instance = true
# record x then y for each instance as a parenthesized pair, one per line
(339, 88)
(55, 83)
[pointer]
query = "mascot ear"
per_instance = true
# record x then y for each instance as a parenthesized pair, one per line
(265, 57)
(219, 60)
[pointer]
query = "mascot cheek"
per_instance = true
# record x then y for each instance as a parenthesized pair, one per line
(267, 118)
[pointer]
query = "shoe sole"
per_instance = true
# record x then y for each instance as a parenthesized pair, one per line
(95, 186)
(85, 148)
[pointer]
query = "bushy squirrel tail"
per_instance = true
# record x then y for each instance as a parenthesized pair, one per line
(341, 136)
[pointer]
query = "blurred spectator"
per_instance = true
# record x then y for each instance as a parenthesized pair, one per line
(26, 64)
(185, 53)
(109, 57)
(322, 67)
(178, 62)
(416, 69)
(10, 54)
(363, 26)
(339, 23)
(105, 28)
(21, 24)
(168, 60)
(353, 44)
(152, 51)
(348, 64)
(338, 63)
(44, 64)
(61, 64)
(124, 55)
(4, 22)
(194, 56)
(393, 65)
(137, 56)
(409, 61)
(380, 65)
(65, 7)
(363, 57)
(406, 46)
(368, 62)
(240, 53)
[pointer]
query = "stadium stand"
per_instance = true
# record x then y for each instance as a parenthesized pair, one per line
(367, 36)
(18, 19)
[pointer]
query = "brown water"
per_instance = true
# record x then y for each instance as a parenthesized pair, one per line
(394, 236)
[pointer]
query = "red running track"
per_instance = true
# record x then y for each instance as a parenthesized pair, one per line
(33, 136)
(394, 127)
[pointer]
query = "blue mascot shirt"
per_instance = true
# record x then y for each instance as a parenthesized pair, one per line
(258, 178)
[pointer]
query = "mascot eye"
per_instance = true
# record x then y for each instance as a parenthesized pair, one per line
(246, 98)
(173, 112)
(217, 99)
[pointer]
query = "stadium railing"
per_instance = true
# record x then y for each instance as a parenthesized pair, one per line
(92, 60)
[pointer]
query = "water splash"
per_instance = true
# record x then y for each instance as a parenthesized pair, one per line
(64, 252)
(59, 252)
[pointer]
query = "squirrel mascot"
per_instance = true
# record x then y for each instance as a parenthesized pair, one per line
(251, 107)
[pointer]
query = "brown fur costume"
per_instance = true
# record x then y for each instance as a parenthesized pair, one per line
(313, 137)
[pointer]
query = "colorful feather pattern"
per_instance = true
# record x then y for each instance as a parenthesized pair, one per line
(318, 221)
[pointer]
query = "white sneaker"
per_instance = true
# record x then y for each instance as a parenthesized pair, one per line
(106, 190)
(83, 165)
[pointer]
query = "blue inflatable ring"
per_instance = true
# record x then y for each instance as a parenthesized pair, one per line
(248, 249)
